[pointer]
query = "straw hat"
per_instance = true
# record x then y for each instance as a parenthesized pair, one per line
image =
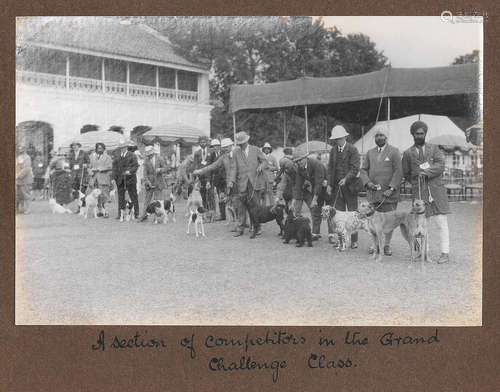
(267, 145)
(226, 142)
(215, 142)
(338, 131)
(241, 137)
(73, 142)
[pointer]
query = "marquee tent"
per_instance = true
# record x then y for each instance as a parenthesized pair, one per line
(399, 132)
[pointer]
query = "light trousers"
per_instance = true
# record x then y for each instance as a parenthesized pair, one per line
(441, 221)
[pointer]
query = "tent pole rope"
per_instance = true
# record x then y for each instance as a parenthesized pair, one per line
(307, 129)
(382, 95)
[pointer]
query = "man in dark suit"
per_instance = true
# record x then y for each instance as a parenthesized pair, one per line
(343, 180)
(308, 186)
(201, 158)
(125, 167)
(78, 162)
(247, 176)
(154, 182)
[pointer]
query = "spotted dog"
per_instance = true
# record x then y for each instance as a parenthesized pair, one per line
(343, 223)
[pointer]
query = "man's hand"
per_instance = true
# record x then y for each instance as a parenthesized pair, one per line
(259, 169)
(342, 182)
(314, 202)
(196, 172)
(207, 185)
(127, 173)
(371, 186)
(388, 192)
(158, 170)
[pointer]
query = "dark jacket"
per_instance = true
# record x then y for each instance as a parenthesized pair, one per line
(76, 163)
(121, 165)
(223, 166)
(434, 182)
(352, 165)
(314, 173)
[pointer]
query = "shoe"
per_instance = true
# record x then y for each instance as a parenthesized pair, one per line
(100, 214)
(387, 250)
(233, 230)
(239, 233)
(354, 245)
(444, 258)
(371, 250)
(316, 237)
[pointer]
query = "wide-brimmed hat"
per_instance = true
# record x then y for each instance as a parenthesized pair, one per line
(131, 143)
(267, 145)
(241, 137)
(226, 142)
(202, 139)
(338, 131)
(149, 150)
(215, 142)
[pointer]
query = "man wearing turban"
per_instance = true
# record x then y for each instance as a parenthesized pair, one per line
(423, 167)
(381, 174)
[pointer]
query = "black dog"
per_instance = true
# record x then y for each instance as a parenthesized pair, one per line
(299, 228)
(263, 214)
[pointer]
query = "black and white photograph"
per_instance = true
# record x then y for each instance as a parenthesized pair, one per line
(237, 170)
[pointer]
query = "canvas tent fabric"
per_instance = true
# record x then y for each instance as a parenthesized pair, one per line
(450, 142)
(172, 133)
(109, 138)
(398, 131)
(414, 84)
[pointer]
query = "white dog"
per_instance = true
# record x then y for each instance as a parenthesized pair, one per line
(57, 208)
(90, 203)
(195, 210)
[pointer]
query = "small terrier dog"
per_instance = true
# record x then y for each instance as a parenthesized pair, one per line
(297, 227)
(195, 210)
(161, 209)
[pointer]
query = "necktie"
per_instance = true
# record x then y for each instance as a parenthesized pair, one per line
(379, 149)
(420, 154)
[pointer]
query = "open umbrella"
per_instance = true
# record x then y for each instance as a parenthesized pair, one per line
(315, 146)
(109, 138)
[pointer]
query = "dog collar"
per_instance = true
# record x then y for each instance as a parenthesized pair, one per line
(419, 213)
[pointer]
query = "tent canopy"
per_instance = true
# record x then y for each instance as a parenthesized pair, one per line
(399, 136)
(450, 87)
(451, 142)
(109, 138)
(172, 133)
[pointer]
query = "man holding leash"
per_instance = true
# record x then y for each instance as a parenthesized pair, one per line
(125, 167)
(246, 175)
(100, 167)
(154, 168)
(221, 170)
(270, 172)
(201, 158)
(78, 162)
(309, 180)
(381, 174)
(343, 181)
(423, 166)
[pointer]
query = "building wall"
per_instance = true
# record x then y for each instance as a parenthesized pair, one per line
(67, 111)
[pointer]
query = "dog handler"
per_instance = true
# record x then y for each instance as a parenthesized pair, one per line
(381, 174)
(100, 168)
(423, 166)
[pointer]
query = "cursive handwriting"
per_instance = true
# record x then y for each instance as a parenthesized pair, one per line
(136, 341)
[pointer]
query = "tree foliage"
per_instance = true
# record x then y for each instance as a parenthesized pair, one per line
(250, 50)
(467, 58)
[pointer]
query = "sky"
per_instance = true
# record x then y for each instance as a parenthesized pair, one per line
(414, 41)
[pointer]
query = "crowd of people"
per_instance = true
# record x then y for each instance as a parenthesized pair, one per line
(238, 172)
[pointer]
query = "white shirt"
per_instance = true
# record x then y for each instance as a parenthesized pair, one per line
(341, 148)
(246, 150)
(380, 149)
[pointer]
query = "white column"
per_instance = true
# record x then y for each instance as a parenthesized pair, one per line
(67, 72)
(103, 77)
(157, 82)
(388, 108)
(128, 78)
(176, 86)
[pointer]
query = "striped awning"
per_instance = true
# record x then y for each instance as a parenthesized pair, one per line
(173, 132)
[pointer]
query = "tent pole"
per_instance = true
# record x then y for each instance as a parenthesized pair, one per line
(307, 129)
(362, 139)
(234, 127)
(284, 128)
(388, 108)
